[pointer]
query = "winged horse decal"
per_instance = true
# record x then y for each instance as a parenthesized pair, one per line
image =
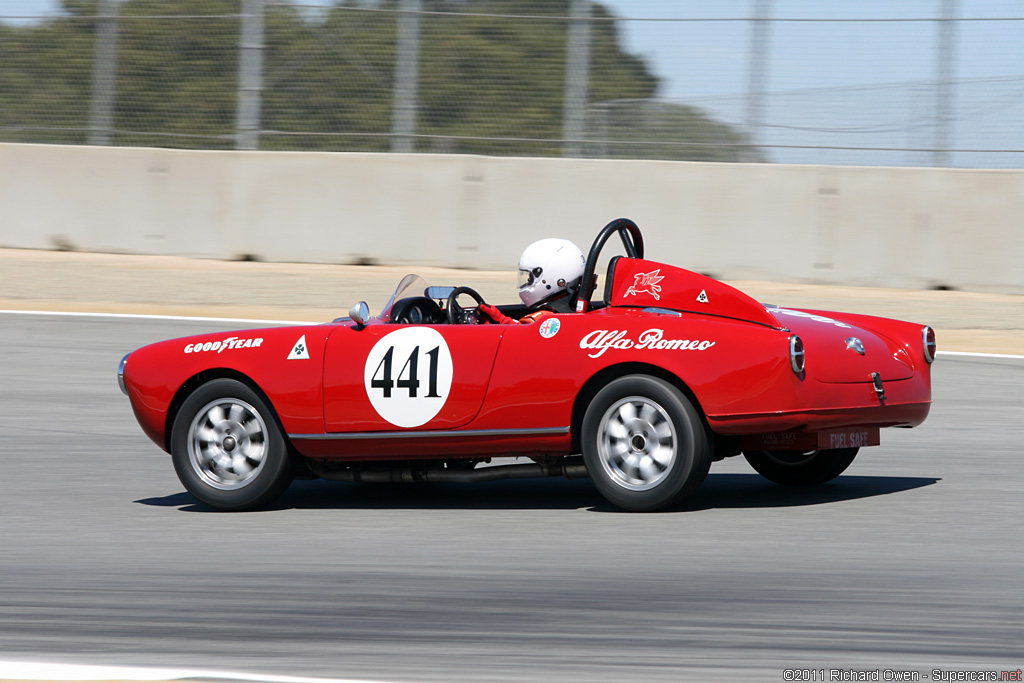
(647, 282)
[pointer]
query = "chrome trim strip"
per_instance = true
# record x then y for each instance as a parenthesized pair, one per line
(662, 311)
(120, 374)
(548, 431)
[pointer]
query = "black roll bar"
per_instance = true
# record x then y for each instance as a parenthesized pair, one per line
(632, 242)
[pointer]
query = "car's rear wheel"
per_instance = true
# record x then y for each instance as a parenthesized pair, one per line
(644, 444)
(227, 448)
(801, 468)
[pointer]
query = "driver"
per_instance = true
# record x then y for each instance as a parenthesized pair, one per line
(549, 272)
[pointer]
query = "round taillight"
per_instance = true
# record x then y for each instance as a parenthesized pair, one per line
(928, 336)
(796, 354)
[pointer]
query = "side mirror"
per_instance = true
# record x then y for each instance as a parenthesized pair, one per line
(360, 313)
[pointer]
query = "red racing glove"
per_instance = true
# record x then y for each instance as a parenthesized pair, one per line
(494, 314)
(533, 317)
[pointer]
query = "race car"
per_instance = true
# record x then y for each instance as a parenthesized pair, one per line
(654, 373)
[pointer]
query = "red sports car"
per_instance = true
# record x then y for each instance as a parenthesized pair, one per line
(641, 390)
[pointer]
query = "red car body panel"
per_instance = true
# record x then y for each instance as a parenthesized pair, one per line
(345, 409)
(642, 283)
(155, 374)
(514, 389)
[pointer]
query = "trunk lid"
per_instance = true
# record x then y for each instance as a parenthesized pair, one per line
(840, 352)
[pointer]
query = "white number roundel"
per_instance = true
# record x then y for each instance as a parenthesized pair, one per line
(408, 376)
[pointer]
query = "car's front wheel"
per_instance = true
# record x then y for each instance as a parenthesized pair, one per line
(227, 448)
(644, 444)
(801, 468)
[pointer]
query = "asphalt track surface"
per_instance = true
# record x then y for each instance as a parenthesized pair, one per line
(910, 561)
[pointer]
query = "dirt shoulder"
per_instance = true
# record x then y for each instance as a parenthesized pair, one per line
(167, 285)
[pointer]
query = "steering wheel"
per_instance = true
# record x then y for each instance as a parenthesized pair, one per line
(416, 310)
(459, 315)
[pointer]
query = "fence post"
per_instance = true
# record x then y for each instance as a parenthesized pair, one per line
(944, 66)
(250, 76)
(104, 75)
(758, 69)
(577, 78)
(404, 97)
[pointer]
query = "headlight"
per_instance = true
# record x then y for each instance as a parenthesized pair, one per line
(796, 354)
(928, 336)
(120, 374)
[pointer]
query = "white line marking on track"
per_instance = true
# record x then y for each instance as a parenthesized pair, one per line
(969, 354)
(42, 671)
(142, 316)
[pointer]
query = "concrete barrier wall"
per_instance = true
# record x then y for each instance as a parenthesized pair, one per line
(853, 225)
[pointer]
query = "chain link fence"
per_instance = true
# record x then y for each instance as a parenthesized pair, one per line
(926, 82)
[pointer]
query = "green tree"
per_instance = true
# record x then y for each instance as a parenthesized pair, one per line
(327, 82)
(177, 72)
(491, 79)
(655, 129)
(45, 72)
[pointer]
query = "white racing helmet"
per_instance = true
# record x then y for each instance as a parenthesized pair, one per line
(547, 268)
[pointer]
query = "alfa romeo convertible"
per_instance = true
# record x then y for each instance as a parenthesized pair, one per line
(656, 373)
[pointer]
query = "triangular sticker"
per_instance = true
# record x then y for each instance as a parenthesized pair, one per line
(299, 351)
(702, 297)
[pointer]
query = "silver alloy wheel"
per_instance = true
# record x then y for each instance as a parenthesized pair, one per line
(227, 443)
(636, 442)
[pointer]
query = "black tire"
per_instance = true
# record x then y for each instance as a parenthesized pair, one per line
(644, 444)
(228, 449)
(801, 468)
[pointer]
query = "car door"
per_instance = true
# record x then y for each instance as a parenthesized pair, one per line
(387, 377)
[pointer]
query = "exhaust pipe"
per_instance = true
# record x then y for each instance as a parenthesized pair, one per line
(432, 475)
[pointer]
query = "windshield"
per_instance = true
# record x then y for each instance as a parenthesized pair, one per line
(411, 285)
